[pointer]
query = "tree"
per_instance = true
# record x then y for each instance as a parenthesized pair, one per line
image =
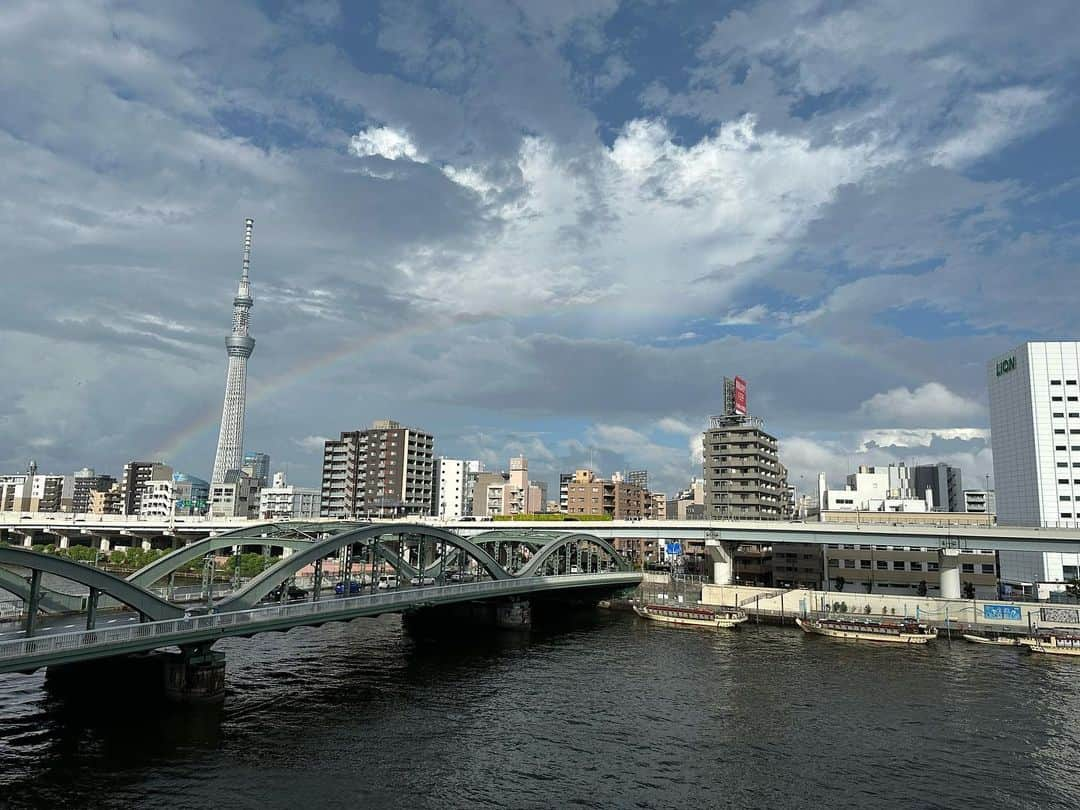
(840, 583)
(868, 586)
(922, 587)
(1072, 588)
(969, 590)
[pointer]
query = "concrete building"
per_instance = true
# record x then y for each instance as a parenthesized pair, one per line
(620, 500)
(179, 495)
(797, 565)
(875, 489)
(31, 492)
(105, 502)
(236, 496)
(944, 482)
(901, 569)
(980, 502)
(744, 478)
(282, 501)
(257, 465)
(508, 493)
(452, 491)
(136, 474)
(84, 482)
(387, 470)
(1035, 434)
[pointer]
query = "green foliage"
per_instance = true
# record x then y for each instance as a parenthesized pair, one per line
(866, 609)
(1072, 588)
(843, 607)
(922, 587)
(969, 590)
(840, 583)
(250, 564)
(44, 548)
(134, 557)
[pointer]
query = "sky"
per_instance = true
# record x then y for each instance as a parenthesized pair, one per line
(542, 228)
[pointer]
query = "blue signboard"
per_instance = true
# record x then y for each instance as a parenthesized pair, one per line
(1009, 612)
(673, 549)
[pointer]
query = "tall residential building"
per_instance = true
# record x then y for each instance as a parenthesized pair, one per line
(945, 484)
(136, 474)
(257, 465)
(31, 492)
(743, 474)
(387, 470)
(105, 502)
(451, 475)
(283, 500)
(1035, 434)
(639, 478)
(84, 482)
(239, 345)
(509, 493)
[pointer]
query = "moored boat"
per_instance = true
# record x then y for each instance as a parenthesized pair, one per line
(1054, 642)
(999, 639)
(903, 632)
(694, 616)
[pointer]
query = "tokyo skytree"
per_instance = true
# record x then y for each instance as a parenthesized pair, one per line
(230, 446)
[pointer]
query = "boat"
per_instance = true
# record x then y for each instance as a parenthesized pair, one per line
(1000, 639)
(1054, 642)
(903, 632)
(696, 616)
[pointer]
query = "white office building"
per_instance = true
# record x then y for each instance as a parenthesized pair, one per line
(875, 489)
(283, 500)
(1035, 433)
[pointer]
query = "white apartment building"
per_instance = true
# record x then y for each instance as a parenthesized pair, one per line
(451, 477)
(282, 500)
(1035, 434)
(875, 489)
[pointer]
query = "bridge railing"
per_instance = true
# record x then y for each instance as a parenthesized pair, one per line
(163, 630)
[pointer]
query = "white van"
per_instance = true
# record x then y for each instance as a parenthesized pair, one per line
(387, 581)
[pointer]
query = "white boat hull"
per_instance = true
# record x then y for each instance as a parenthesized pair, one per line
(1051, 647)
(857, 635)
(999, 642)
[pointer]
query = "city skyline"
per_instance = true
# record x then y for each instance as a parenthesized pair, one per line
(566, 278)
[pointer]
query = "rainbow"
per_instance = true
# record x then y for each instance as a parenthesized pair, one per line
(210, 419)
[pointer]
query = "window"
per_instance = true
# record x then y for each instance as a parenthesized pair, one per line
(1074, 414)
(1070, 382)
(932, 566)
(1063, 480)
(916, 566)
(1070, 572)
(864, 565)
(967, 568)
(1055, 382)
(849, 563)
(883, 565)
(1073, 399)
(1060, 447)
(1065, 498)
(1056, 399)
(1066, 514)
(1059, 415)
(898, 565)
(1060, 432)
(988, 568)
(1063, 464)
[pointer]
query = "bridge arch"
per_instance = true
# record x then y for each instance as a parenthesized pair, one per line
(134, 596)
(261, 585)
(175, 560)
(535, 566)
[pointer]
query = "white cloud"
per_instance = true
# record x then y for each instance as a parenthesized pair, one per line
(926, 406)
(917, 437)
(311, 443)
(999, 118)
(669, 424)
(384, 142)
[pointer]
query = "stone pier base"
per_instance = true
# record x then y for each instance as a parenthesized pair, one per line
(194, 677)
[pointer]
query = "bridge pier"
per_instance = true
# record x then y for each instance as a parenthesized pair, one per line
(949, 571)
(513, 614)
(194, 675)
(723, 560)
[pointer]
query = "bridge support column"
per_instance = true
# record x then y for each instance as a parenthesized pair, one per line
(105, 546)
(35, 599)
(91, 608)
(194, 675)
(65, 541)
(516, 615)
(723, 560)
(949, 572)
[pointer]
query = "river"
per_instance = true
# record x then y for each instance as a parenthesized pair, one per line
(600, 710)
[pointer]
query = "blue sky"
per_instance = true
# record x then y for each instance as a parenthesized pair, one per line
(548, 228)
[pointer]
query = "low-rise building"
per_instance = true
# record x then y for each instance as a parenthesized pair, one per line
(617, 499)
(875, 489)
(236, 496)
(904, 569)
(283, 500)
(980, 502)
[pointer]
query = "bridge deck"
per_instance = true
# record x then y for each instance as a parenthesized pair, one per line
(27, 655)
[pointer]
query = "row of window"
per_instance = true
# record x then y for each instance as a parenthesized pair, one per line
(904, 565)
(1067, 382)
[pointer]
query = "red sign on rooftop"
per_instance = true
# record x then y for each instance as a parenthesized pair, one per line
(740, 396)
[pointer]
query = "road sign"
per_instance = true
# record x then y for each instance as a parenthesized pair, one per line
(673, 549)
